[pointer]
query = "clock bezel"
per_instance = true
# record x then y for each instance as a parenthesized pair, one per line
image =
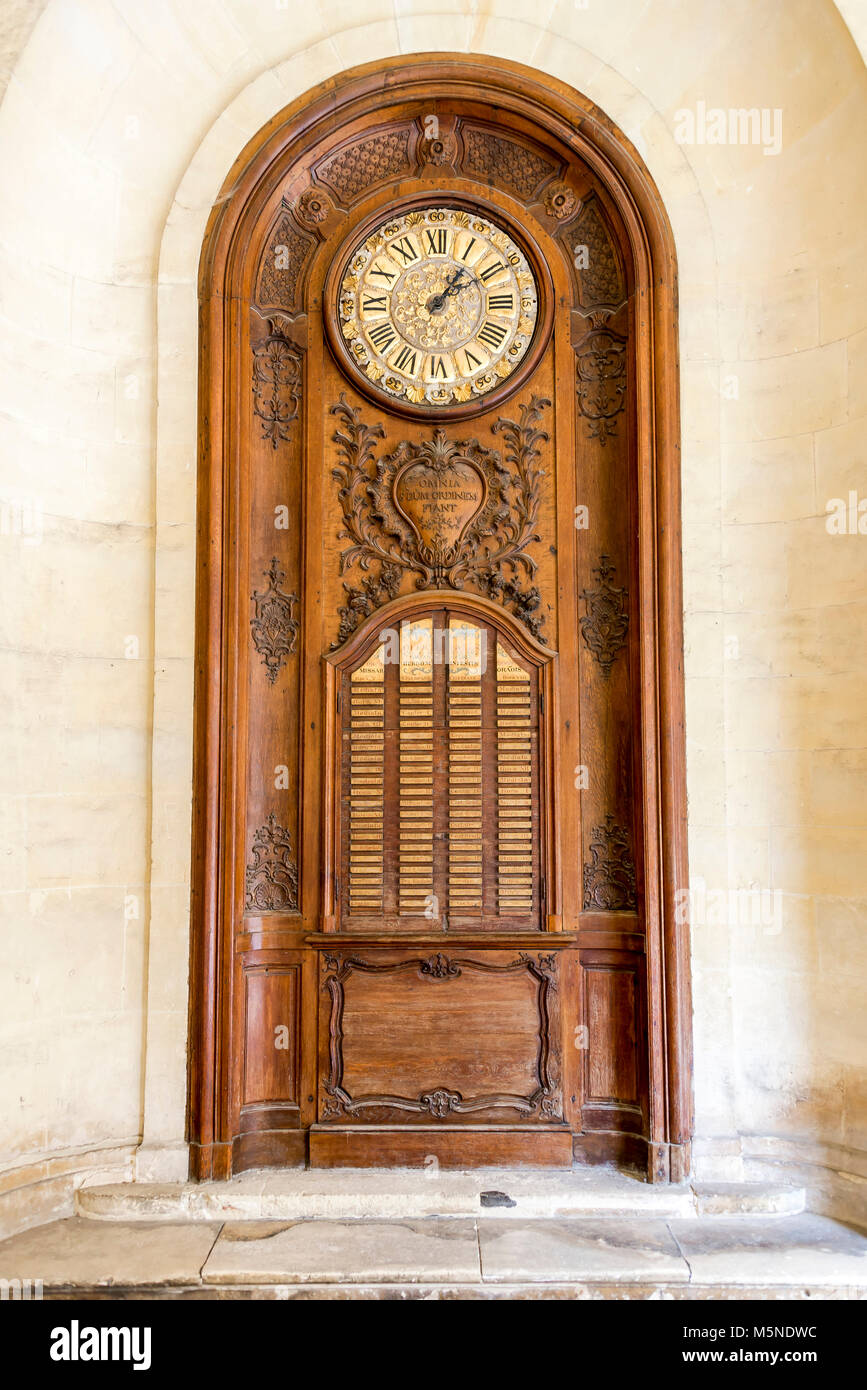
(439, 198)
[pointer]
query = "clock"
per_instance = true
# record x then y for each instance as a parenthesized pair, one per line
(436, 309)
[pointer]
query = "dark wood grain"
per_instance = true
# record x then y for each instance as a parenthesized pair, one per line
(291, 596)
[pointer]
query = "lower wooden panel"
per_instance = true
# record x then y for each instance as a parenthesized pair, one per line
(452, 1147)
(281, 1148)
(468, 1037)
(607, 1146)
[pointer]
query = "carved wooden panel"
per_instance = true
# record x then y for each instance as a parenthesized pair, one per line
(447, 512)
(595, 256)
(282, 265)
(360, 164)
(514, 164)
(435, 1038)
(272, 1034)
(614, 1072)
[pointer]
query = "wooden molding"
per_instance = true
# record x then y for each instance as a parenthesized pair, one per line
(552, 168)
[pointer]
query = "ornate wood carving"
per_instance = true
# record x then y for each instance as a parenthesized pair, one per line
(560, 201)
(276, 384)
(543, 1102)
(505, 162)
(282, 265)
(313, 207)
(605, 625)
(438, 150)
(272, 877)
(601, 282)
(274, 625)
(638, 1059)
(365, 162)
(609, 878)
(601, 381)
(448, 511)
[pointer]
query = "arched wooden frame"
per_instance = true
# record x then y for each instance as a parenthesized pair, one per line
(530, 652)
(551, 107)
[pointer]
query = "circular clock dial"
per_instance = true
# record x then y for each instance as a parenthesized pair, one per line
(438, 306)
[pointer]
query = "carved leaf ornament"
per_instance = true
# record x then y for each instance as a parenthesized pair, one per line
(451, 512)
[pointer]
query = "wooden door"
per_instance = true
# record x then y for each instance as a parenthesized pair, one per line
(439, 775)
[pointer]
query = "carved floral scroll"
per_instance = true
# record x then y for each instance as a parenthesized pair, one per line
(451, 512)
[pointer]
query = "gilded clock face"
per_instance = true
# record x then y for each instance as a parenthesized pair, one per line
(437, 307)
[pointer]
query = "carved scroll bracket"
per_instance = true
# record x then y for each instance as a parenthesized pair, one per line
(272, 877)
(276, 384)
(601, 380)
(606, 623)
(274, 625)
(609, 878)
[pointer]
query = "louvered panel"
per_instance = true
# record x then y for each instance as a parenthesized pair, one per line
(465, 793)
(366, 785)
(416, 763)
(515, 784)
(441, 783)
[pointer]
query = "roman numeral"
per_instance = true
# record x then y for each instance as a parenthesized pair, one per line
(493, 334)
(502, 302)
(405, 361)
(437, 368)
(384, 274)
(436, 241)
(374, 304)
(472, 361)
(382, 335)
(491, 270)
(405, 249)
(470, 244)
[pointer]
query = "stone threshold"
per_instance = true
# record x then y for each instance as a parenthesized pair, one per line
(391, 1194)
(444, 1257)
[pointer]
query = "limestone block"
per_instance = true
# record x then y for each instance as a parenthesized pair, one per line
(767, 788)
(79, 839)
(787, 395)
(828, 862)
(770, 480)
(368, 43)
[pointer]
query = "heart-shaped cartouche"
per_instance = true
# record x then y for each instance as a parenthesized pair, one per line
(439, 501)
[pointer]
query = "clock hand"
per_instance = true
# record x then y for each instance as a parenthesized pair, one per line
(453, 286)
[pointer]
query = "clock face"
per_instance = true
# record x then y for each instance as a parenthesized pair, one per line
(437, 307)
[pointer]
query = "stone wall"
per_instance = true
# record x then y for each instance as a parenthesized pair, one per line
(119, 125)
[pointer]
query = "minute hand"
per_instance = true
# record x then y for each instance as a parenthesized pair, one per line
(454, 286)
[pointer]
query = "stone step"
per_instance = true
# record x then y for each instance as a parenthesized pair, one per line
(366, 1194)
(773, 1256)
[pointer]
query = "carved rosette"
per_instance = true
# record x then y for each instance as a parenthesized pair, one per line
(272, 877)
(606, 623)
(609, 878)
(438, 150)
(601, 381)
(313, 207)
(560, 201)
(449, 512)
(276, 386)
(274, 625)
(544, 1101)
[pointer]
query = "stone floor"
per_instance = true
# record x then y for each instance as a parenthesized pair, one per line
(675, 1249)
